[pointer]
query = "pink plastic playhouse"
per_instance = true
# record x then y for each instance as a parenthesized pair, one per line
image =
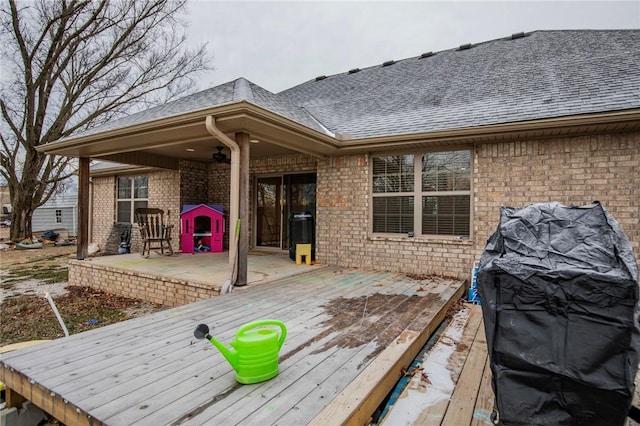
(202, 228)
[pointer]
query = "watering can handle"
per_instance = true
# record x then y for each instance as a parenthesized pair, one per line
(283, 328)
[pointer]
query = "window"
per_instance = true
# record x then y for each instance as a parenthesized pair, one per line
(422, 193)
(132, 193)
(393, 201)
(58, 216)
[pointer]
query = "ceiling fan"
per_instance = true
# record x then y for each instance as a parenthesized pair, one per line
(220, 156)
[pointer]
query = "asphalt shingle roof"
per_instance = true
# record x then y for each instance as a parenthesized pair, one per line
(544, 74)
(233, 91)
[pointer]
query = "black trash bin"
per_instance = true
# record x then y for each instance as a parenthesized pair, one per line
(301, 231)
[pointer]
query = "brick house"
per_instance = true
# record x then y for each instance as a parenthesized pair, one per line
(404, 165)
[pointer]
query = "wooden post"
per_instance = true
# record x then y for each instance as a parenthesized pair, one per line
(83, 208)
(242, 139)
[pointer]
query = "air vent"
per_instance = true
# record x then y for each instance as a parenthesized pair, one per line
(517, 35)
(465, 46)
(426, 55)
(321, 77)
(354, 70)
(386, 64)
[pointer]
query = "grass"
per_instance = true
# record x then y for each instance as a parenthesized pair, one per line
(46, 274)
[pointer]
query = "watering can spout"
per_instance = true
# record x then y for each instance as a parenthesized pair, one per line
(202, 332)
(230, 355)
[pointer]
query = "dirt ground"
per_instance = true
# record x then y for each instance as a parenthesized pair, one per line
(25, 313)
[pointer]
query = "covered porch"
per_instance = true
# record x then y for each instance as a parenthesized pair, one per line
(222, 126)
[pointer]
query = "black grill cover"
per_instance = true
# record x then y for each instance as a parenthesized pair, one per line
(559, 292)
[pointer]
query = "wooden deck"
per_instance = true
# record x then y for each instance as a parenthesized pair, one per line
(453, 387)
(349, 335)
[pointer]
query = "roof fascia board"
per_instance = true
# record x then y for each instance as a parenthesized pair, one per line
(331, 145)
(228, 111)
(139, 148)
(308, 143)
(176, 121)
(269, 117)
(466, 135)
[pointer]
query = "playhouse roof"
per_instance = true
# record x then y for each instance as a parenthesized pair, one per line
(191, 207)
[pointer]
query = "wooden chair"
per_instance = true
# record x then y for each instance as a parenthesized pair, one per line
(155, 232)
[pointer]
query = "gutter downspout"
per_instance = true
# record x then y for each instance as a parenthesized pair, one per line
(234, 197)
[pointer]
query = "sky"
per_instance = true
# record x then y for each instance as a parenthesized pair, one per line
(278, 45)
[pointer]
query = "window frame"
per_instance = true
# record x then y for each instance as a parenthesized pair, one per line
(58, 215)
(418, 194)
(132, 199)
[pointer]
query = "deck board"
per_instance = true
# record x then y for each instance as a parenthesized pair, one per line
(362, 396)
(151, 370)
(463, 401)
(172, 324)
(328, 367)
(485, 403)
(428, 394)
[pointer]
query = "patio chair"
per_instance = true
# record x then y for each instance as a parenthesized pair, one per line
(155, 232)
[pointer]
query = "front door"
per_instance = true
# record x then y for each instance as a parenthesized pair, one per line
(276, 198)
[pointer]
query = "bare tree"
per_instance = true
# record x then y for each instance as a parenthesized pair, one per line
(69, 65)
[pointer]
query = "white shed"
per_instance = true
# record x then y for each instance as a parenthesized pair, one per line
(59, 212)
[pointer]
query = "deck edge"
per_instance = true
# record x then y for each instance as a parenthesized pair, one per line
(352, 406)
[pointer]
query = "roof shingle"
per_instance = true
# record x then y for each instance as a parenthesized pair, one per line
(544, 74)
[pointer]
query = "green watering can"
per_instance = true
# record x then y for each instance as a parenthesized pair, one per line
(255, 358)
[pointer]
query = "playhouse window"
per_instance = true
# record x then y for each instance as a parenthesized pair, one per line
(132, 192)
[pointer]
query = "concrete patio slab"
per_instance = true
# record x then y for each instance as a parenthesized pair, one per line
(180, 278)
(212, 268)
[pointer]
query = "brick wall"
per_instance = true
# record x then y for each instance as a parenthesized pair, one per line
(342, 232)
(162, 290)
(164, 192)
(285, 164)
(103, 195)
(574, 170)
(194, 182)
(219, 179)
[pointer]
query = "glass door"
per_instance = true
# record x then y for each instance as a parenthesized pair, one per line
(269, 212)
(300, 191)
(276, 198)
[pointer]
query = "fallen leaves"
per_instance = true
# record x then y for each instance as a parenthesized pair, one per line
(413, 371)
(82, 308)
